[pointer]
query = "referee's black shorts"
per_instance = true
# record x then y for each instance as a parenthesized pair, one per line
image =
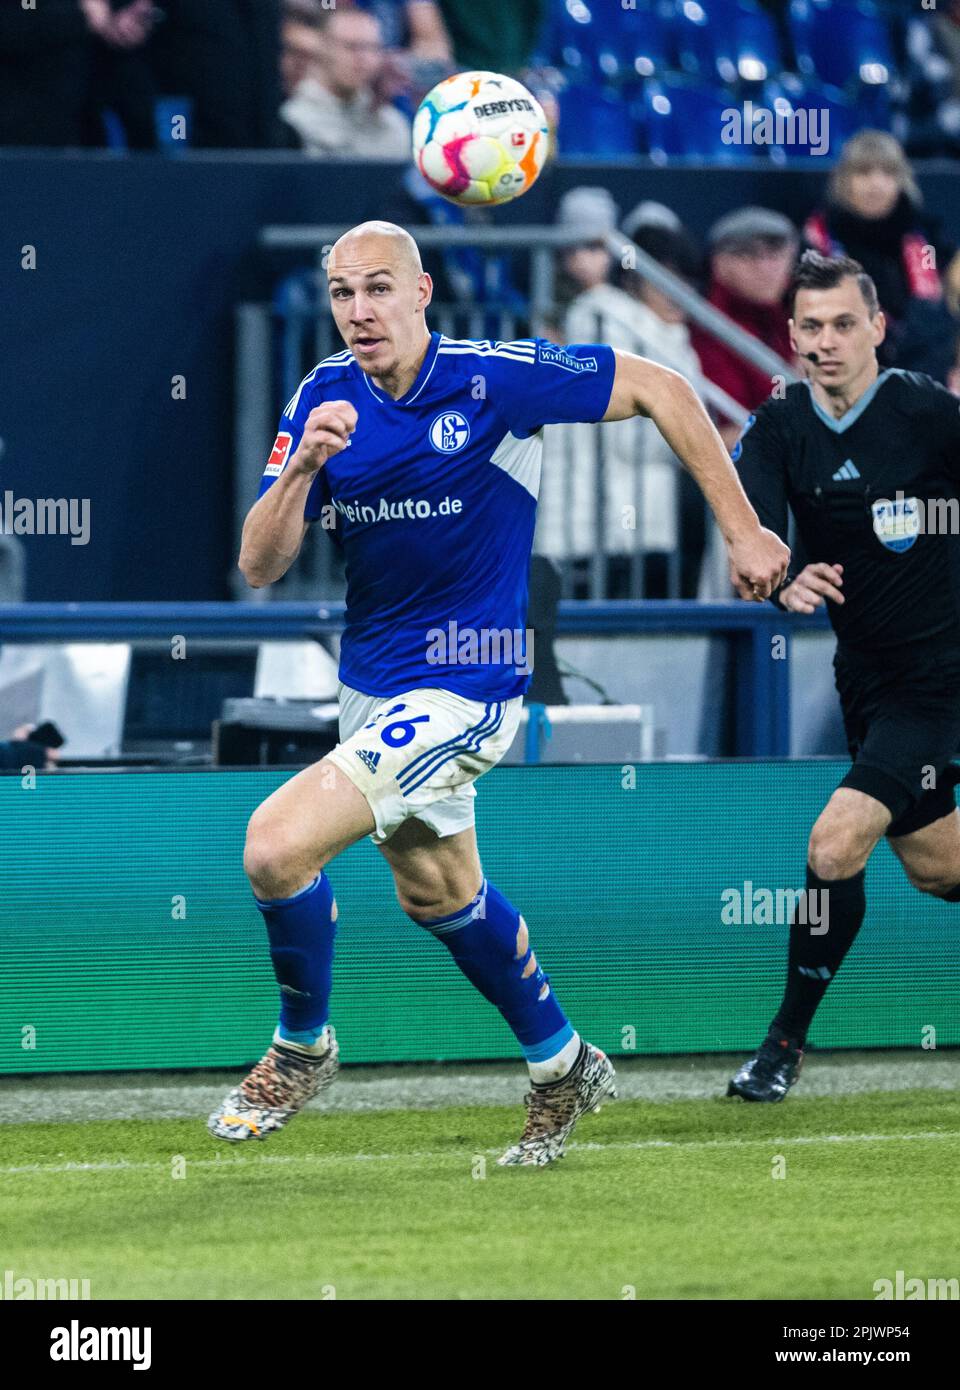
(901, 713)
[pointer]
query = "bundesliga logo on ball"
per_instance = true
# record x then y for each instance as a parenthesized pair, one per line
(479, 137)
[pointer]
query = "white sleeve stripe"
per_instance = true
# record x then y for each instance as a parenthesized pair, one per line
(489, 352)
(488, 342)
(525, 346)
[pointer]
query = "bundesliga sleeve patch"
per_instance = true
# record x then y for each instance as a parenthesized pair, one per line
(559, 357)
(278, 455)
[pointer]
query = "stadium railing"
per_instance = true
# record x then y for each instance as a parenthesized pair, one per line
(758, 636)
(260, 396)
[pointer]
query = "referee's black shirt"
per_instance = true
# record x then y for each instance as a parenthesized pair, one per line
(871, 491)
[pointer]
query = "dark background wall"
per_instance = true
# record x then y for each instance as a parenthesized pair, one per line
(140, 262)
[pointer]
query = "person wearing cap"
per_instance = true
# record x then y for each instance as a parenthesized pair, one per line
(588, 263)
(640, 472)
(752, 254)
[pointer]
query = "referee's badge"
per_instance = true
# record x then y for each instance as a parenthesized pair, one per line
(896, 524)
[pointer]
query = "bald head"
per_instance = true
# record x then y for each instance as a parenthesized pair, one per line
(379, 294)
(384, 242)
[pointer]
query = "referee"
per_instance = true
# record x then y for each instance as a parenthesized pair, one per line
(869, 464)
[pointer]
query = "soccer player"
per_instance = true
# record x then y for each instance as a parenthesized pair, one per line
(869, 464)
(425, 452)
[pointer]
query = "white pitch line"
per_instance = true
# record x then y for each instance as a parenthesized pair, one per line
(318, 1159)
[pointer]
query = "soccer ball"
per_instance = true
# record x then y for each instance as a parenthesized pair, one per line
(479, 137)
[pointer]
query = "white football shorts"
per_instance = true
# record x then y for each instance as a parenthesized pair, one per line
(419, 754)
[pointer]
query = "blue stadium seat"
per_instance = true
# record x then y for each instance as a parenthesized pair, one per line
(595, 122)
(634, 43)
(844, 44)
(693, 39)
(602, 42)
(756, 56)
(793, 94)
(680, 118)
(572, 41)
(733, 40)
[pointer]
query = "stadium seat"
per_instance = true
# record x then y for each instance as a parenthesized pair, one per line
(792, 94)
(733, 40)
(680, 118)
(844, 44)
(634, 43)
(595, 122)
(756, 54)
(572, 44)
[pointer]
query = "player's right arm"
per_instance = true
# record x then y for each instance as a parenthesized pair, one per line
(275, 526)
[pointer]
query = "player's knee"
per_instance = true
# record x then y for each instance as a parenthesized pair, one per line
(835, 851)
(270, 859)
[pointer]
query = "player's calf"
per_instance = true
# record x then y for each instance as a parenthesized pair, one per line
(936, 885)
(489, 940)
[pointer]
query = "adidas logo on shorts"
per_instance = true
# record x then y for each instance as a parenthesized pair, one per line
(370, 759)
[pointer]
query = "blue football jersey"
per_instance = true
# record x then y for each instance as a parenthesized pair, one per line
(434, 502)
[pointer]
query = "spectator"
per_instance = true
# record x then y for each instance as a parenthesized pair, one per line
(300, 42)
(418, 49)
(752, 253)
(874, 213)
(223, 56)
(663, 334)
(414, 27)
(587, 264)
(63, 63)
(640, 472)
(337, 112)
(495, 36)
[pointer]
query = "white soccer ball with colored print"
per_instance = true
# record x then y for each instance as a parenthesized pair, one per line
(480, 138)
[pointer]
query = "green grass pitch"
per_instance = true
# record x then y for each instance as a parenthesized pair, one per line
(656, 1199)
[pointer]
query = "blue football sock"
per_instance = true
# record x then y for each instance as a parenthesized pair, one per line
(301, 931)
(482, 938)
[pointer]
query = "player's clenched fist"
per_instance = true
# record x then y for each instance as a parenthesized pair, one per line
(327, 431)
(758, 564)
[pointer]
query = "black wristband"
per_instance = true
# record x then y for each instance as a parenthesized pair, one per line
(775, 596)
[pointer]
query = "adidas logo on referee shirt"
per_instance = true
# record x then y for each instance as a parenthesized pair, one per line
(846, 471)
(371, 759)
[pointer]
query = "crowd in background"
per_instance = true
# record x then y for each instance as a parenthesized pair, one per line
(326, 78)
(343, 79)
(873, 211)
